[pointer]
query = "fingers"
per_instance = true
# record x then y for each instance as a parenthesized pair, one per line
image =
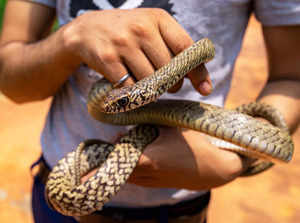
(131, 41)
(159, 54)
(113, 69)
(138, 64)
(157, 51)
(200, 80)
(176, 87)
(178, 40)
(131, 60)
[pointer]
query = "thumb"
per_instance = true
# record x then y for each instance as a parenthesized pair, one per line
(200, 80)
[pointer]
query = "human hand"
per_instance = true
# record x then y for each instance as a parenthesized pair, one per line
(185, 159)
(139, 41)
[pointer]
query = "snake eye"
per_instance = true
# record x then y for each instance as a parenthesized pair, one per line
(123, 101)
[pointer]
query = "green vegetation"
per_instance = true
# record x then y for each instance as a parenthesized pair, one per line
(2, 5)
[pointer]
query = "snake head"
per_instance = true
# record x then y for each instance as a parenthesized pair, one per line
(123, 99)
(117, 100)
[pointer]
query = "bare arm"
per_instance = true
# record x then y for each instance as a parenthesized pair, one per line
(203, 166)
(283, 87)
(33, 67)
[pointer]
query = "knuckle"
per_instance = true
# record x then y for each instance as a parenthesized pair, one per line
(121, 40)
(182, 45)
(108, 57)
(161, 12)
(71, 37)
(139, 29)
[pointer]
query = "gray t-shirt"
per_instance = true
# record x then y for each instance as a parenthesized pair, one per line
(223, 21)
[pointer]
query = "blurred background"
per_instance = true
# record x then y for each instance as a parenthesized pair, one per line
(273, 196)
(2, 5)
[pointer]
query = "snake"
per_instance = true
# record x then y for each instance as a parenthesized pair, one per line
(235, 130)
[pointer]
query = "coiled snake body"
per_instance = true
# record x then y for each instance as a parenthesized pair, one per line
(247, 136)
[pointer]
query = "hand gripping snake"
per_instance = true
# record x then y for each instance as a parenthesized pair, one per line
(137, 104)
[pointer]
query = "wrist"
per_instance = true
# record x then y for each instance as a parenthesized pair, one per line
(69, 45)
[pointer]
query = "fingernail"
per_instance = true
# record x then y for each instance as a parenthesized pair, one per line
(205, 88)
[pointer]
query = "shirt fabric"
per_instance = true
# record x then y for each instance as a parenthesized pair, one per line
(223, 21)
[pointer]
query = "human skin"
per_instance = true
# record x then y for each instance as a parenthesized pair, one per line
(33, 65)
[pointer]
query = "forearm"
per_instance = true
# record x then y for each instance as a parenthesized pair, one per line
(221, 166)
(199, 165)
(282, 90)
(34, 71)
(91, 39)
(188, 157)
(285, 96)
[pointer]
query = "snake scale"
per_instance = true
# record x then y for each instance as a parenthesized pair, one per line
(137, 104)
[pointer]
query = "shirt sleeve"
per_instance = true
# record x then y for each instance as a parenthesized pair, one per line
(277, 12)
(49, 3)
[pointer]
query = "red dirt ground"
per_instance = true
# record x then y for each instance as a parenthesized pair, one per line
(273, 196)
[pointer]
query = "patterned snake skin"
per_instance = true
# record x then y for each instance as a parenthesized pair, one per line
(239, 132)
